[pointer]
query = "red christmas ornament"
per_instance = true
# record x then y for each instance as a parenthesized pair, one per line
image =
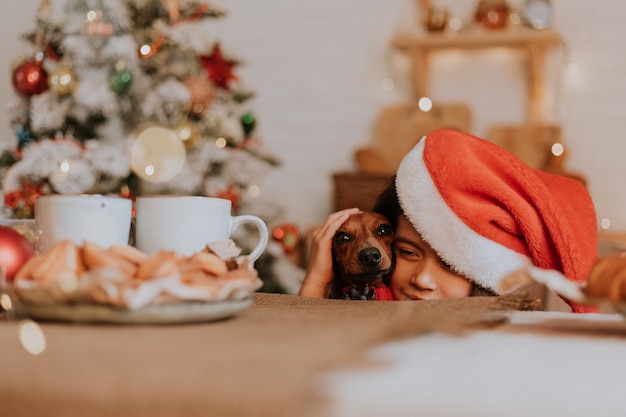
(219, 70)
(30, 78)
(288, 235)
(230, 194)
(15, 250)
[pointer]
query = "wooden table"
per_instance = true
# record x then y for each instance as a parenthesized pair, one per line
(295, 356)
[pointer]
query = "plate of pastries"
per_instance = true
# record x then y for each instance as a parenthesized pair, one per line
(122, 284)
(605, 284)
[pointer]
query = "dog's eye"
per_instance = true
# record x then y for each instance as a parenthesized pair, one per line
(384, 230)
(342, 237)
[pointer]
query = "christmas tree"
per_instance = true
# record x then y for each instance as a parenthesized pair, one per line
(130, 97)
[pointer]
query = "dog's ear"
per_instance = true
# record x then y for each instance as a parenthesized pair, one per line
(336, 285)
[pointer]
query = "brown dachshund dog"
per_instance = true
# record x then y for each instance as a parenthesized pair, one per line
(363, 256)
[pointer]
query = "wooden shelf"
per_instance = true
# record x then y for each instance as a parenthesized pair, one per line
(534, 42)
(480, 39)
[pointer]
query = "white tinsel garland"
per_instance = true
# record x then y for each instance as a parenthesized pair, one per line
(110, 160)
(47, 112)
(167, 101)
(112, 131)
(80, 178)
(186, 182)
(243, 168)
(114, 13)
(80, 51)
(93, 93)
(70, 168)
(226, 120)
(187, 34)
(42, 158)
(120, 48)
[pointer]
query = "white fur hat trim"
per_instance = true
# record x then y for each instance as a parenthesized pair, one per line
(481, 260)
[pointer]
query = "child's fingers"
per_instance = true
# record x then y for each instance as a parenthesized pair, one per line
(334, 221)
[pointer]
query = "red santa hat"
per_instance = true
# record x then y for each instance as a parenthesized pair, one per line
(487, 214)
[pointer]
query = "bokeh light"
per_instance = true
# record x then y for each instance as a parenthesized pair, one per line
(254, 191)
(31, 336)
(64, 166)
(455, 23)
(157, 154)
(605, 224)
(425, 104)
(220, 142)
(557, 149)
(145, 50)
(5, 302)
(515, 18)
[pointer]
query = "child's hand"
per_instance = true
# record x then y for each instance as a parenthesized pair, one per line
(319, 273)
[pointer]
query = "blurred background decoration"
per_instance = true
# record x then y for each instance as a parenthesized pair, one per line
(130, 97)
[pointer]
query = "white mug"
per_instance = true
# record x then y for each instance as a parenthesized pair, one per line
(78, 217)
(186, 224)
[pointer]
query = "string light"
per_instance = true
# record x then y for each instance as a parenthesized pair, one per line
(149, 170)
(557, 149)
(425, 104)
(605, 224)
(184, 134)
(515, 18)
(145, 50)
(64, 166)
(220, 142)
(254, 191)
(455, 23)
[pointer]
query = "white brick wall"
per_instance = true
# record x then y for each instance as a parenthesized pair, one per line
(317, 66)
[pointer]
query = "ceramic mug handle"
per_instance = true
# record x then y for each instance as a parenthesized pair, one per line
(261, 227)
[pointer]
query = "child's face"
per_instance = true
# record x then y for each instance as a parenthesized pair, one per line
(419, 273)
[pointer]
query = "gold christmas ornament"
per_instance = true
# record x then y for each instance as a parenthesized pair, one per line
(62, 81)
(157, 155)
(188, 134)
(202, 92)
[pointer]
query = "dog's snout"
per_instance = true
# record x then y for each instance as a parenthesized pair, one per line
(370, 257)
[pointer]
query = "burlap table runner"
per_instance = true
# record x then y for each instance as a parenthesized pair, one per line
(266, 361)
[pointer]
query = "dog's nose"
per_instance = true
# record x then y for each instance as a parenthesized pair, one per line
(369, 257)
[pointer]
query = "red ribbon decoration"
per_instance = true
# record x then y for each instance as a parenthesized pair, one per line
(27, 195)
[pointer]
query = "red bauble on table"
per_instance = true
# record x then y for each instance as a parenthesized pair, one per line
(288, 235)
(15, 250)
(30, 78)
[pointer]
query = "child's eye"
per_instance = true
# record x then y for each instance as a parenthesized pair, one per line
(407, 253)
(446, 265)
